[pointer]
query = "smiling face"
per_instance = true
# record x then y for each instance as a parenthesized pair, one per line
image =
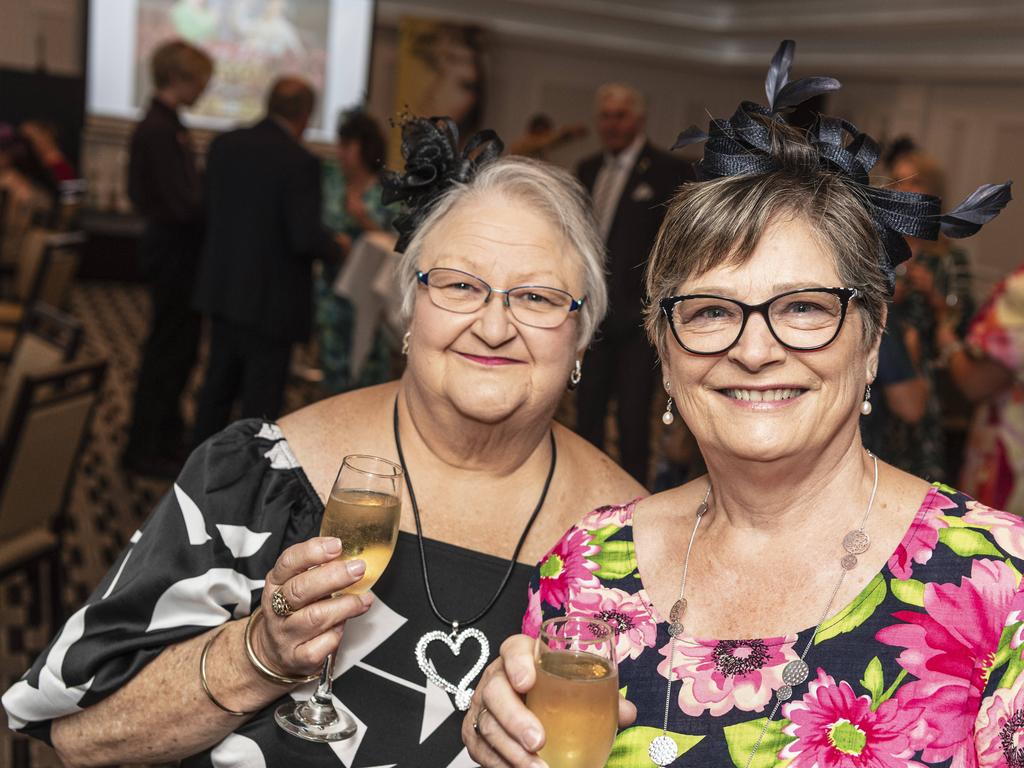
(486, 365)
(761, 401)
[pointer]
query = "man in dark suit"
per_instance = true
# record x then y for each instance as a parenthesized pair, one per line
(165, 188)
(255, 281)
(630, 182)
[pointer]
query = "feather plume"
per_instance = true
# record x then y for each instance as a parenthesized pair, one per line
(692, 135)
(778, 72)
(980, 207)
(799, 91)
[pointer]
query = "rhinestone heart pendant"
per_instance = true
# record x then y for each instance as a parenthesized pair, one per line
(454, 640)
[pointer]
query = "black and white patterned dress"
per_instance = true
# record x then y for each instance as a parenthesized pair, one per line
(200, 560)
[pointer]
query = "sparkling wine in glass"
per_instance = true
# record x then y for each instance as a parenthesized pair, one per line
(364, 511)
(576, 696)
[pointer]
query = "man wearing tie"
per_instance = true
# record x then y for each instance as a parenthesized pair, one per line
(630, 182)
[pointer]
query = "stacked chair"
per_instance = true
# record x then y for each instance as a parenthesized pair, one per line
(47, 262)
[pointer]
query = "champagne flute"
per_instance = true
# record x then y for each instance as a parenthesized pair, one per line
(576, 696)
(363, 511)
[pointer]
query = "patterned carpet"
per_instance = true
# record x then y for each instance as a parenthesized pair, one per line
(107, 504)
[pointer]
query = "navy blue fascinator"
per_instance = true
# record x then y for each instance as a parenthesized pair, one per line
(742, 145)
(433, 162)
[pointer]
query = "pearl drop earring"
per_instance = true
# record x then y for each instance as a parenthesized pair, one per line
(865, 407)
(668, 417)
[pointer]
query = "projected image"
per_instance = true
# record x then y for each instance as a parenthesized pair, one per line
(252, 42)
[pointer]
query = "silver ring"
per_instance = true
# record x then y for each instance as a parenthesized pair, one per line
(279, 604)
(476, 720)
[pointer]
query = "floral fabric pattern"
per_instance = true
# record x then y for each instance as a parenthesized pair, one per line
(923, 668)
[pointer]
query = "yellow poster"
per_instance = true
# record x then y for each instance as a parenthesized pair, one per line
(440, 72)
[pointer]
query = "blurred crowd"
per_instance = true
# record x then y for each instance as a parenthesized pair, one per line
(277, 249)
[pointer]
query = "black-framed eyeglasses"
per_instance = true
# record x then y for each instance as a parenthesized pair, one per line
(539, 306)
(803, 320)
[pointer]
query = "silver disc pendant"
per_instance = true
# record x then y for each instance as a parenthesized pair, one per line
(784, 693)
(856, 542)
(677, 610)
(849, 562)
(675, 629)
(663, 750)
(795, 673)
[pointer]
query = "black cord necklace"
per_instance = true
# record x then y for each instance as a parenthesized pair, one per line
(455, 638)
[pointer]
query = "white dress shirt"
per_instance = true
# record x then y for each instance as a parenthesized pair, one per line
(610, 182)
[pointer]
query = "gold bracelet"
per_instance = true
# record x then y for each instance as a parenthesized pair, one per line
(263, 669)
(206, 685)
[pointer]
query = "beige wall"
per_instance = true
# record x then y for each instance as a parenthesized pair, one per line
(972, 125)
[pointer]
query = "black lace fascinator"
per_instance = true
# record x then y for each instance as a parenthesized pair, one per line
(742, 145)
(433, 162)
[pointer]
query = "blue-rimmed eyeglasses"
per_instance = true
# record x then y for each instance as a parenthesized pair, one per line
(537, 305)
(802, 320)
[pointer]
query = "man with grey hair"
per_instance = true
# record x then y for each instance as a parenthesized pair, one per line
(255, 281)
(629, 181)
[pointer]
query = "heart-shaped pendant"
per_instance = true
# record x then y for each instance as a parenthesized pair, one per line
(454, 641)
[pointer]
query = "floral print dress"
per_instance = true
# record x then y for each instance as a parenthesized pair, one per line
(923, 668)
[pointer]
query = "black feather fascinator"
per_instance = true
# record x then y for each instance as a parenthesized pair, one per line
(433, 162)
(742, 145)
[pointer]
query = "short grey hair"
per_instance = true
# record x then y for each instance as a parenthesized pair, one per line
(721, 221)
(623, 90)
(552, 193)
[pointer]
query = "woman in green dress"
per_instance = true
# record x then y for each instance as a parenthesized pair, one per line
(352, 207)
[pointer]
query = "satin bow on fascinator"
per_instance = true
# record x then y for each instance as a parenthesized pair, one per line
(433, 162)
(742, 145)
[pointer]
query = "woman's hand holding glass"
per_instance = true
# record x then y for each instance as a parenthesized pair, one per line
(506, 732)
(297, 645)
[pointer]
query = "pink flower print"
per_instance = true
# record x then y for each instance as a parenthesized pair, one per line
(611, 515)
(567, 568)
(950, 648)
(999, 731)
(635, 629)
(1006, 529)
(718, 675)
(534, 614)
(920, 541)
(834, 728)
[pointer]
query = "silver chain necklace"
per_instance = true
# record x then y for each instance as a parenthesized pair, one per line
(663, 750)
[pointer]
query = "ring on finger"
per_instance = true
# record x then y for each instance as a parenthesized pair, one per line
(476, 720)
(279, 604)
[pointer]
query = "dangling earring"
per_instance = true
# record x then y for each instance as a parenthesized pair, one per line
(575, 376)
(865, 407)
(405, 343)
(668, 417)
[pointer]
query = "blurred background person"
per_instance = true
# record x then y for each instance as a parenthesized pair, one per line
(988, 368)
(542, 136)
(935, 284)
(43, 135)
(256, 277)
(629, 182)
(165, 188)
(899, 392)
(27, 191)
(351, 206)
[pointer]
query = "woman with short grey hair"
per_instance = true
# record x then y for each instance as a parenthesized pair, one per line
(803, 603)
(503, 285)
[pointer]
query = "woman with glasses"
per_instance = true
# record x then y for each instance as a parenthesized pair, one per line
(803, 603)
(503, 284)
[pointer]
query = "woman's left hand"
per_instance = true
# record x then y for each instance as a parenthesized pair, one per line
(498, 729)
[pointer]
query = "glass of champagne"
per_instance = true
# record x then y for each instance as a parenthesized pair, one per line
(363, 511)
(576, 696)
